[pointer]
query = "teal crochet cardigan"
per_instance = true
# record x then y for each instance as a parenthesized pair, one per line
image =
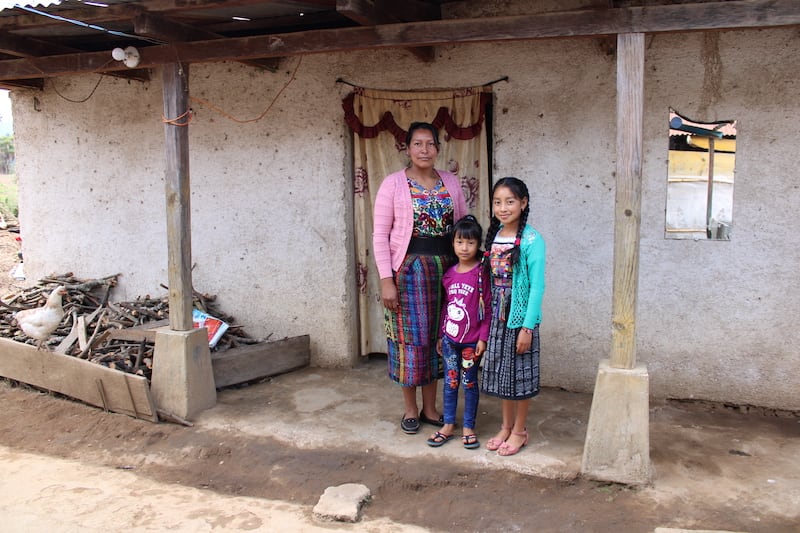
(527, 281)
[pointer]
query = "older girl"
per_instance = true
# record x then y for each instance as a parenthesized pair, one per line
(516, 254)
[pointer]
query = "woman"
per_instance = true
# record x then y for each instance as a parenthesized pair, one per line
(414, 210)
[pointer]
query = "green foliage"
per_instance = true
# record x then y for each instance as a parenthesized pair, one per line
(9, 205)
(8, 196)
(7, 154)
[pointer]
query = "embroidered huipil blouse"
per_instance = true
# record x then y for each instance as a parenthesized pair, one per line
(433, 209)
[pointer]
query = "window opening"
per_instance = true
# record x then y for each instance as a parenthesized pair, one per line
(700, 178)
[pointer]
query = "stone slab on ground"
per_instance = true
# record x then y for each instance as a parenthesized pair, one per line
(342, 503)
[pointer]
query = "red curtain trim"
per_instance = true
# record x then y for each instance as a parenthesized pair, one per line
(443, 120)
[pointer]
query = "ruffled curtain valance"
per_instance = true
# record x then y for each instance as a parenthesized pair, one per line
(443, 120)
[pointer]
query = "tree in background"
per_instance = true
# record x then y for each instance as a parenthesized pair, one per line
(7, 154)
(9, 209)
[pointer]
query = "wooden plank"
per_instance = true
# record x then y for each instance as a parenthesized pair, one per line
(253, 361)
(628, 204)
(67, 342)
(734, 14)
(143, 332)
(74, 333)
(132, 334)
(82, 340)
(88, 382)
(178, 194)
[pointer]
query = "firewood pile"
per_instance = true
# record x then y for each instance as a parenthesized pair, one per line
(106, 333)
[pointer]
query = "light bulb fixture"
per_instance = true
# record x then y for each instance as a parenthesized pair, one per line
(129, 56)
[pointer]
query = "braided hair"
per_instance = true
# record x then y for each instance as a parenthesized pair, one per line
(520, 190)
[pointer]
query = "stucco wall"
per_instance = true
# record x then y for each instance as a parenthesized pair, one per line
(270, 202)
(271, 199)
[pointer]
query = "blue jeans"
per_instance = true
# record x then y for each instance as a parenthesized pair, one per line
(456, 373)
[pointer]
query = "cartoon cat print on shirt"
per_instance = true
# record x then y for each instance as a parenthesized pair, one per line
(457, 323)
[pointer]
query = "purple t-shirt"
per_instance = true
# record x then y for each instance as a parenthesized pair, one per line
(460, 316)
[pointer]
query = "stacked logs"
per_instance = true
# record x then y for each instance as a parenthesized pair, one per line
(112, 334)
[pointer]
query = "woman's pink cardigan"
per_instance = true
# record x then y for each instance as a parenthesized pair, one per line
(394, 218)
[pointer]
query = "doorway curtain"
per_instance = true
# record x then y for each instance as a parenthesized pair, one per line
(379, 121)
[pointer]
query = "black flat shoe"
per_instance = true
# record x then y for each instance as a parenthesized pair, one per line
(409, 425)
(426, 420)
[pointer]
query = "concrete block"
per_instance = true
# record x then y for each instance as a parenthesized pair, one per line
(182, 382)
(342, 503)
(617, 446)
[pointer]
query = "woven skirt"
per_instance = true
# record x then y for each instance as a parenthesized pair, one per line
(411, 332)
(505, 373)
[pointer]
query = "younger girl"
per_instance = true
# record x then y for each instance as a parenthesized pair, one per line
(465, 329)
(516, 254)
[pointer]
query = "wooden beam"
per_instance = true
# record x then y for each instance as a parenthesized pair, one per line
(360, 11)
(408, 10)
(369, 13)
(196, 5)
(32, 83)
(628, 204)
(125, 12)
(734, 14)
(315, 20)
(19, 46)
(166, 30)
(84, 14)
(178, 194)
(159, 28)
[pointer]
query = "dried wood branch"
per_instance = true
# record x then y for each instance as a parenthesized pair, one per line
(87, 302)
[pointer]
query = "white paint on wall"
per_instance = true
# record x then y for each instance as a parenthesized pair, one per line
(271, 200)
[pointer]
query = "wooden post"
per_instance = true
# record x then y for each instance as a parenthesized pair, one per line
(183, 381)
(617, 446)
(179, 238)
(628, 205)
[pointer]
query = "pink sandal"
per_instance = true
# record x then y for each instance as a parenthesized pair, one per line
(506, 449)
(494, 444)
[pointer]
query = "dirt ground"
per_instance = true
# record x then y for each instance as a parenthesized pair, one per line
(433, 494)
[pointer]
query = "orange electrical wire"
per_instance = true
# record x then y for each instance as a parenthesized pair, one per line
(227, 115)
(174, 121)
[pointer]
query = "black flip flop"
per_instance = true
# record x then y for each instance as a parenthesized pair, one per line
(470, 442)
(438, 439)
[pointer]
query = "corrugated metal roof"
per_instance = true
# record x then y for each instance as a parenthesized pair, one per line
(9, 4)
